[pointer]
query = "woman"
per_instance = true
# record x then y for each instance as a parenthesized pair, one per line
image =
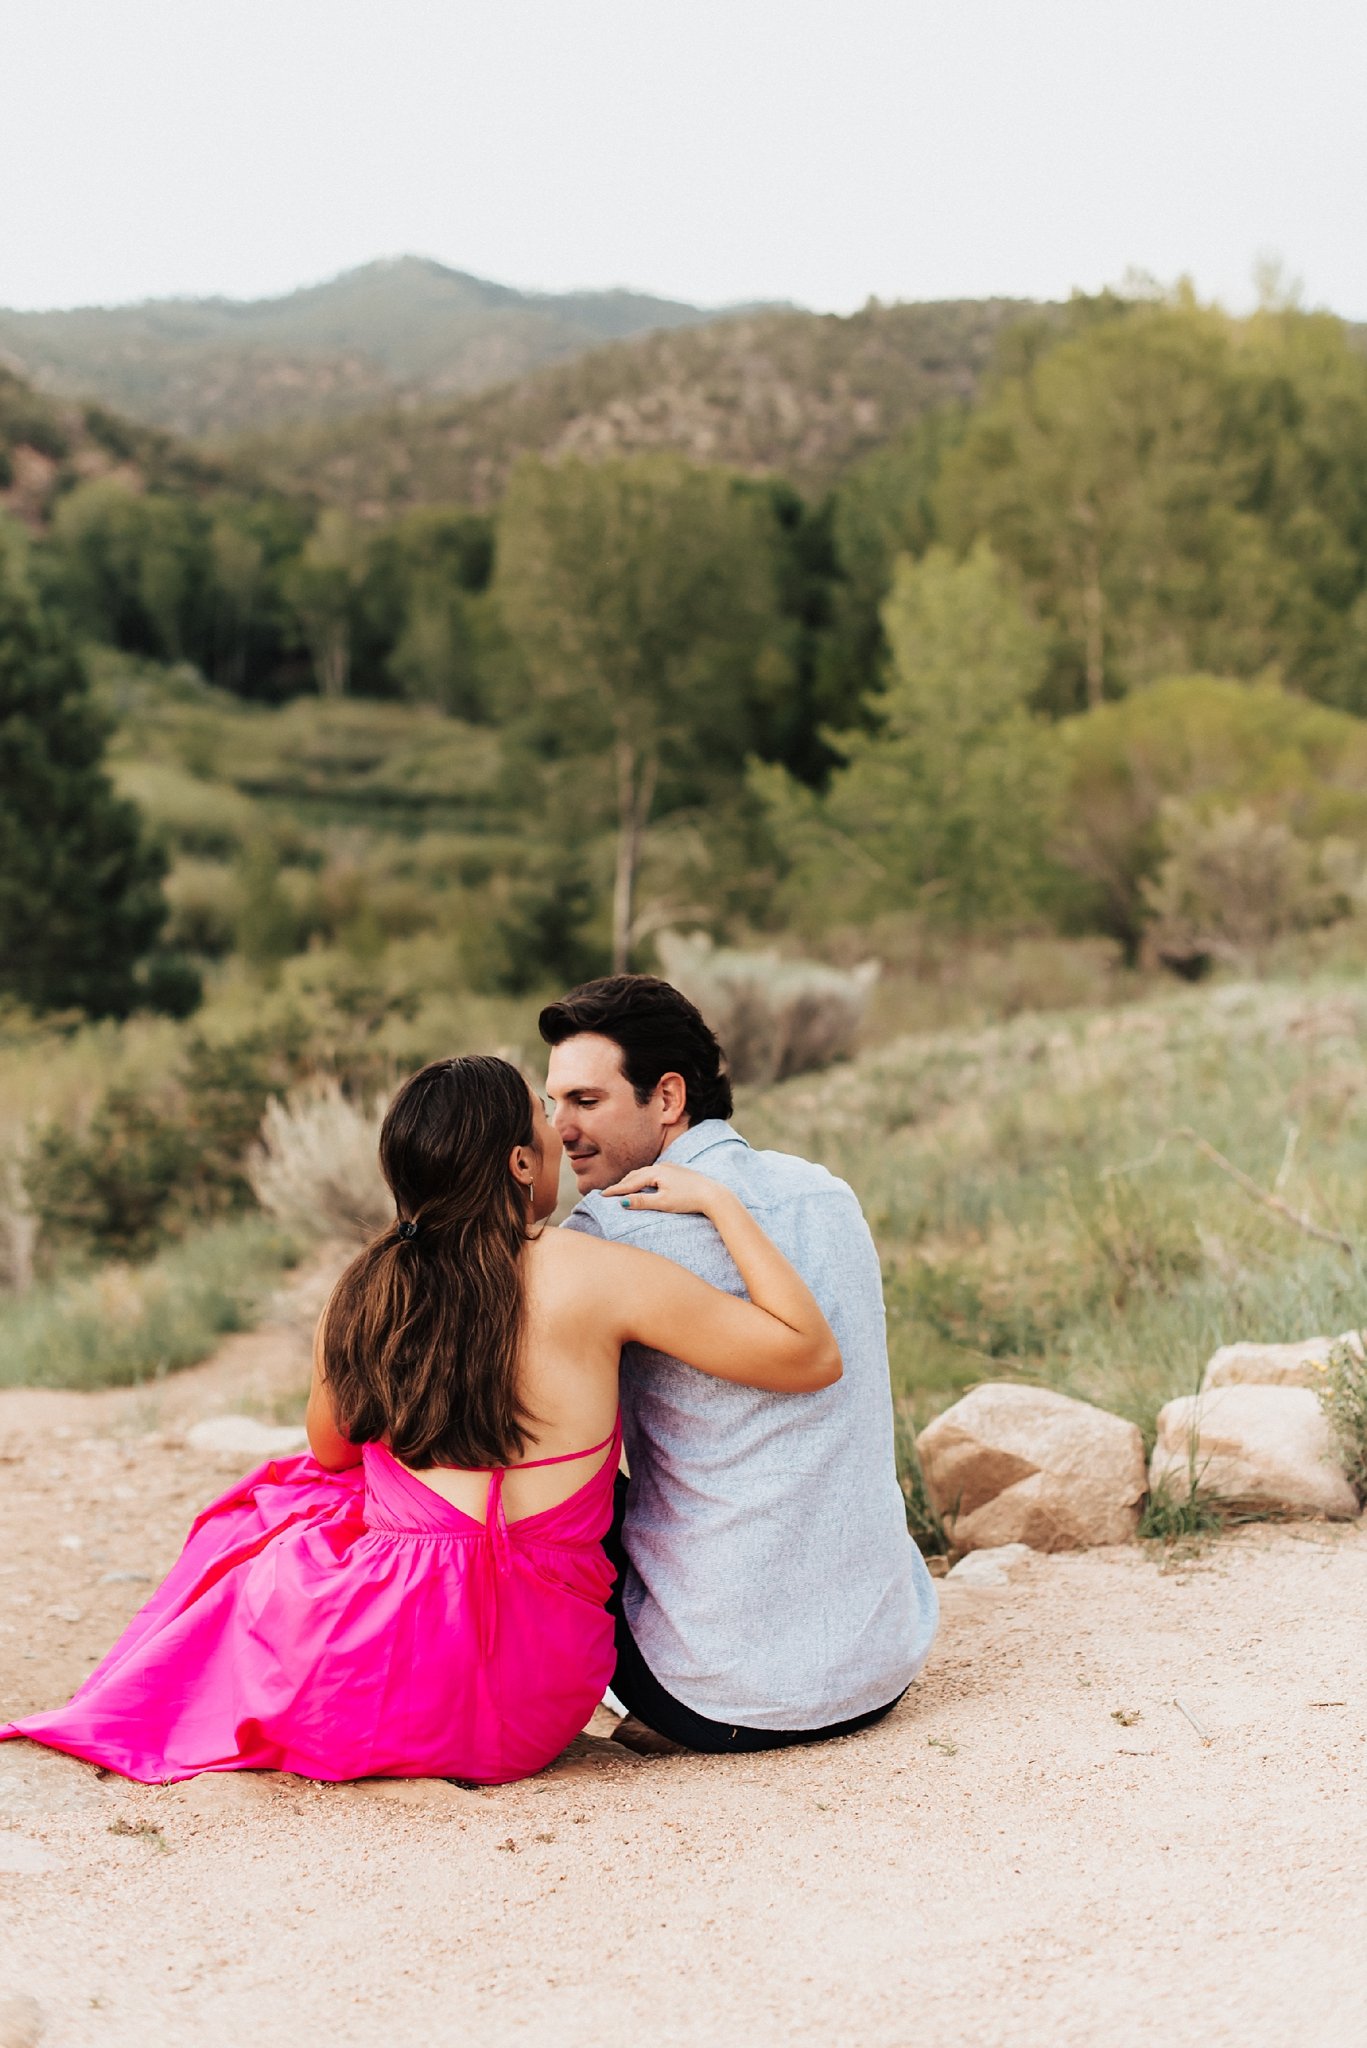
(424, 1595)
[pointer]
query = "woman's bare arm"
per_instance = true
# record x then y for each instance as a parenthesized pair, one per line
(779, 1339)
(328, 1445)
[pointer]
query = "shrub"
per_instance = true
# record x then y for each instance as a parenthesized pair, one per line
(189, 814)
(203, 896)
(774, 1017)
(1230, 885)
(315, 1167)
(1343, 1397)
(17, 1227)
(109, 1186)
(152, 1164)
(125, 1323)
(267, 925)
(1209, 743)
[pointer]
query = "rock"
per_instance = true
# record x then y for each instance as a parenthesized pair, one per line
(995, 1567)
(21, 2021)
(19, 1857)
(1254, 1447)
(1273, 1365)
(243, 1436)
(1011, 1464)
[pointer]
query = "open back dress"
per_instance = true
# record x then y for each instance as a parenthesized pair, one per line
(356, 1624)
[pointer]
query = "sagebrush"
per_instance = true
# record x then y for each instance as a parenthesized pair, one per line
(774, 1017)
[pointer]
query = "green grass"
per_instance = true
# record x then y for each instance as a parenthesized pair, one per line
(1034, 1225)
(1170, 1517)
(124, 1324)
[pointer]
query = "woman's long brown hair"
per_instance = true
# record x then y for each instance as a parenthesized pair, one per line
(422, 1337)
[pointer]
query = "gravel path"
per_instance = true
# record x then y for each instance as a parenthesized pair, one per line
(1037, 1848)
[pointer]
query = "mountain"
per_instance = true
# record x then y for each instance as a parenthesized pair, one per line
(48, 444)
(802, 393)
(405, 328)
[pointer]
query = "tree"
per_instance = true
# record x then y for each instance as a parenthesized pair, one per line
(134, 567)
(1181, 492)
(1214, 745)
(81, 904)
(1112, 476)
(322, 585)
(423, 610)
(944, 805)
(881, 510)
(640, 596)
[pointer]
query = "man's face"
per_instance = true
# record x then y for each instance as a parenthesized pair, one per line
(606, 1131)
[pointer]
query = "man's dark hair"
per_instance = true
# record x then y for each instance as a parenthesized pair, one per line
(659, 1032)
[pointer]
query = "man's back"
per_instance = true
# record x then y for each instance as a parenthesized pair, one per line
(772, 1583)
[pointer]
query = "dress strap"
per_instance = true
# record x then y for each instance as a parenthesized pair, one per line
(565, 1457)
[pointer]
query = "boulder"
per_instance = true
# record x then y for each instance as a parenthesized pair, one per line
(1012, 1464)
(1273, 1365)
(242, 1436)
(1254, 1447)
(995, 1567)
(21, 2021)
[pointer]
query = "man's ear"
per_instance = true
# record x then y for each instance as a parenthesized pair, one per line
(672, 1091)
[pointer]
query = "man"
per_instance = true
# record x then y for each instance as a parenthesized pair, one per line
(771, 1594)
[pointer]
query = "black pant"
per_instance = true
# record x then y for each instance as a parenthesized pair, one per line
(642, 1694)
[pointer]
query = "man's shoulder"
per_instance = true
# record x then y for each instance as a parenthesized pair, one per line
(772, 1176)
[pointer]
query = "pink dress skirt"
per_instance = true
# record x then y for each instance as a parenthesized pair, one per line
(354, 1625)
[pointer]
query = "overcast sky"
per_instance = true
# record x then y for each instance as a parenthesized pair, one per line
(713, 150)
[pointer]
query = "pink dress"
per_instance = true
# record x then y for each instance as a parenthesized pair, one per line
(353, 1625)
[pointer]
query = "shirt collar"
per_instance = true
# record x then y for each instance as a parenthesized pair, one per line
(700, 1138)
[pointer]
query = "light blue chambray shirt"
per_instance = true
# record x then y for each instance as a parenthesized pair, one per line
(771, 1581)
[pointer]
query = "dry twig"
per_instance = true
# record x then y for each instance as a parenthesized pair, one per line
(1263, 1196)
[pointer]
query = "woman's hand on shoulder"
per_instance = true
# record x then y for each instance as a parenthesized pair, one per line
(674, 1190)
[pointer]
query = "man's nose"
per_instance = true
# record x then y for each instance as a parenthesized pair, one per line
(562, 1120)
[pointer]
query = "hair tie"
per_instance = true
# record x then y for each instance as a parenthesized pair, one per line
(408, 1231)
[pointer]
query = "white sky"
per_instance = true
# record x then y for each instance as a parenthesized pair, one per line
(817, 150)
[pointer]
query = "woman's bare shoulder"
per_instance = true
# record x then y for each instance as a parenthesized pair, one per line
(574, 1251)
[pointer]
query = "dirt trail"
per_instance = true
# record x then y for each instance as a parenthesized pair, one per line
(1036, 1848)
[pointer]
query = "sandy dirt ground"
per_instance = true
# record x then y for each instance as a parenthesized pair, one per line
(1038, 1849)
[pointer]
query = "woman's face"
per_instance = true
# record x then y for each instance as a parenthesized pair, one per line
(546, 1185)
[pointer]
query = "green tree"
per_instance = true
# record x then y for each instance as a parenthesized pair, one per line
(883, 509)
(641, 598)
(1181, 492)
(1214, 745)
(322, 585)
(944, 806)
(134, 567)
(1113, 476)
(81, 903)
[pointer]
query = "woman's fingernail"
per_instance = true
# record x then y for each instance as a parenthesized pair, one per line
(626, 1201)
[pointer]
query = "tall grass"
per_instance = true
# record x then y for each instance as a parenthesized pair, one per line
(1036, 1219)
(123, 1324)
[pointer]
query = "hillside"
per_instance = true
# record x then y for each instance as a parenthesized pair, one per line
(48, 443)
(406, 327)
(802, 393)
